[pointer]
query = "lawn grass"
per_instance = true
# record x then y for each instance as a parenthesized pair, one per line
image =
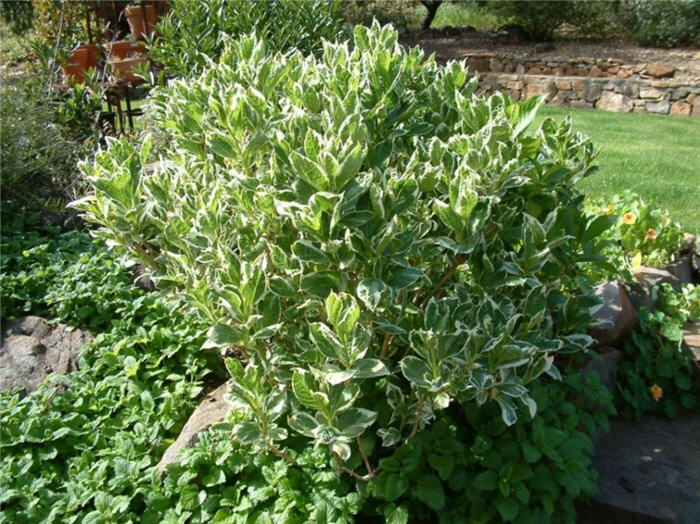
(656, 156)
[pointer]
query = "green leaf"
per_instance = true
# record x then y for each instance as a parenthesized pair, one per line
(319, 284)
(353, 422)
(369, 291)
(416, 370)
(396, 514)
(404, 277)
(430, 491)
(214, 477)
(222, 335)
(246, 432)
(147, 401)
(486, 481)
(301, 385)
(530, 452)
(508, 509)
(395, 486)
(306, 251)
(303, 423)
(370, 368)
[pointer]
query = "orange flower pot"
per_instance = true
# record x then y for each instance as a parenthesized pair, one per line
(81, 59)
(139, 26)
(123, 70)
(124, 49)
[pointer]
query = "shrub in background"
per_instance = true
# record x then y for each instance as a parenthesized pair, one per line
(663, 23)
(541, 19)
(372, 240)
(194, 32)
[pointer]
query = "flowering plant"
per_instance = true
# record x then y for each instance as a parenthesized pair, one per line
(641, 235)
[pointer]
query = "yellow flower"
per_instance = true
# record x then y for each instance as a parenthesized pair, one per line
(609, 209)
(656, 392)
(629, 218)
(652, 234)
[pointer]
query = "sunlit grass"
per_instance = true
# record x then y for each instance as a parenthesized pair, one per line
(656, 156)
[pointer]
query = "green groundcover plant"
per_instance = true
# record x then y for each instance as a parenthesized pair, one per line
(369, 242)
(658, 373)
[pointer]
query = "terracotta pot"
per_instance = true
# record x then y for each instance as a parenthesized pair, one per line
(124, 49)
(139, 26)
(81, 59)
(123, 70)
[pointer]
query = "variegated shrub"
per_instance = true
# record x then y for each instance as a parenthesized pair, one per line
(371, 240)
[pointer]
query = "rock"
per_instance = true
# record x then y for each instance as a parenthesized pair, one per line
(605, 364)
(659, 70)
(595, 71)
(31, 350)
(661, 107)
(681, 269)
(592, 91)
(642, 293)
(616, 318)
(649, 470)
(651, 93)
(495, 65)
(691, 338)
(616, 102)
(681, 108)
(212, 410)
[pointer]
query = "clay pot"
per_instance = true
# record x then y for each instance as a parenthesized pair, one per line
(123, 70)
(139, 26)
(81, 59)
(124, 49)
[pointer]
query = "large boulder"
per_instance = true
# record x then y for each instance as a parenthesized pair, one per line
(615, 318)
(649, 471)
(32, 349)
(212, 410)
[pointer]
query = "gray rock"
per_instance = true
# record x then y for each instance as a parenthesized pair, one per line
(615, 318)
(689, 241)
(663, 107)
(681, 269)
(31, 350)
(649, 470)
(212, 410)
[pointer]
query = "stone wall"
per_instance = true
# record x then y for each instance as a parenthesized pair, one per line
(612, 94)
(588, 67)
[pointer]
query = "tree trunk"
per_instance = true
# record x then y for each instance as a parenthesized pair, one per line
(432, 7)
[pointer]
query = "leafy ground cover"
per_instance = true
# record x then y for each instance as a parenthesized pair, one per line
(655, 156)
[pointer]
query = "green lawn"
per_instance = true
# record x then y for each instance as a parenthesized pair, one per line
(656, 156)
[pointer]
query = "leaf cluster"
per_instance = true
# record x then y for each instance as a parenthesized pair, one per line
(194, 33)
(469, 465)
(655, 358)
